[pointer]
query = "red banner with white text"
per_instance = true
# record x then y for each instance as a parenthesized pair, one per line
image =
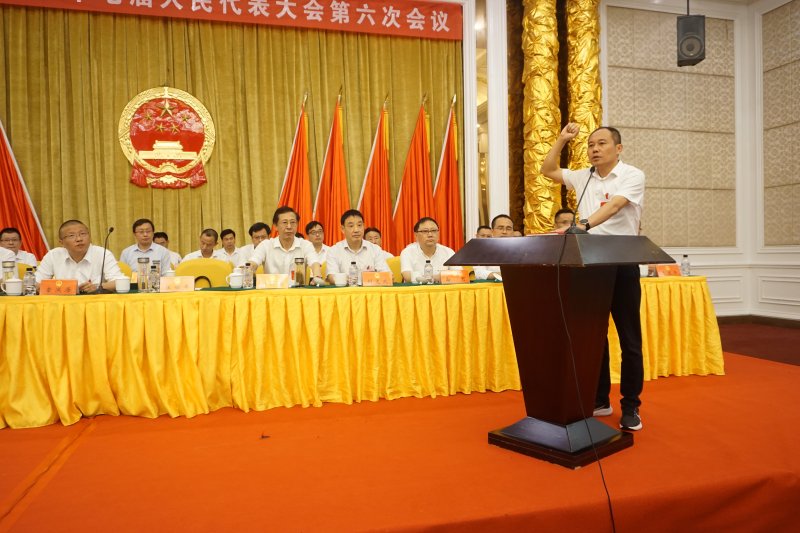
(397, 18)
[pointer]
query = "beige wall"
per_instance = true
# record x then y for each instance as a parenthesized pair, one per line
(677, 125)
(780, 37)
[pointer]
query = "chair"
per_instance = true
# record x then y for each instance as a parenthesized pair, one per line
(470, 272)
(125, 268)
(213, 271)
(394, 266)
(22, 268)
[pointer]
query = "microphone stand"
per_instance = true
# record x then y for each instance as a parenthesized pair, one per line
(573, 228)
(100, 289)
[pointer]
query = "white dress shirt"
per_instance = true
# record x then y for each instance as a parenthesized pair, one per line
(322, 255)
(412, 260)
(7, 255)
(216, 254)
(57, 264)
(245, 253)
(368, 257)
(174, 259)
(130, 255)
(277, 260)
(482, 272)
(234, 258)
(26, 258)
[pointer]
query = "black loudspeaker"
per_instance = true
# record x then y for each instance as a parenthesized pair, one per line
(691, 39)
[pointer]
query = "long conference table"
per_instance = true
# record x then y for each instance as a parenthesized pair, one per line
(183, 354)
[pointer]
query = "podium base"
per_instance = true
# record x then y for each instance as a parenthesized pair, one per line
(569, 445)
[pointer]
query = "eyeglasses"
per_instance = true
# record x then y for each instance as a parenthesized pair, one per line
(73, 236)
(316, 232)
(143, 231)
(287, 223)
(428, 231)
(10, 240)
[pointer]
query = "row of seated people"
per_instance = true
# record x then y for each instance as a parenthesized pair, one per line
(78, 259)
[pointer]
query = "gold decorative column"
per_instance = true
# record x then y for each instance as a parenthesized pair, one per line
(583, 78)
(541, 113)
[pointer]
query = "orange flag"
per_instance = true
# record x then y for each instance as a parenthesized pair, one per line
(296, 189)
(415, 197)
(375, 202)
(332, 196)
(446, 195)
(16, 207)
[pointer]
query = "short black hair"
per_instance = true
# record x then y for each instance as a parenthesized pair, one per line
(372, 229)
(282, 210)
(313, 224)
(160, 235)
(565, 211)
(210, 232)
(70, 222)
(258, 226)
(351, 213)
(226, 232)
(142, 222)
(483, 226)
(502, 215)
(615, 134)
(10, 230)
(422, 221)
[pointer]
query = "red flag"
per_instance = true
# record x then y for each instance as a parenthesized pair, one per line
(375, 202)
(296, 189)
(446, 195)
(415, 197)
(332, 196)
(16, 207)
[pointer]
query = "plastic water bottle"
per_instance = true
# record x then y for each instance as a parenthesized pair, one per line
(155, 279)
(29, 282)
(427, 274)
(352, 275)
(686, 268)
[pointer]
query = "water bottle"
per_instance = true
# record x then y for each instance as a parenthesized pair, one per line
(29, 282)
(9, 270)
(142, 278)
(352, 275)
(427, 273)
(299, 272)
(155, 279)
(247, 281)
(686, 268)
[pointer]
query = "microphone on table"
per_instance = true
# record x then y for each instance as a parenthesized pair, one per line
(573, 229)
(100, 289)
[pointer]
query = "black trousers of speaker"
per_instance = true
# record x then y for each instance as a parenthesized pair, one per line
(691, 39)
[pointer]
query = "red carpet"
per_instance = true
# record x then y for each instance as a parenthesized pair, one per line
(717, 453)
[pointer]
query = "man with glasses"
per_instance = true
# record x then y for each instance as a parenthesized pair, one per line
(278, 254)
(427, 248)
(11, 239)
(315, 233)
(258, 232)
(143, 231)
(79, 259)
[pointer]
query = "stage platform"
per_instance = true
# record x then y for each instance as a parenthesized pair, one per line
(717, 453)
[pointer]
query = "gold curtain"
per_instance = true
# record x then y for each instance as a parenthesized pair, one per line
(68, 76)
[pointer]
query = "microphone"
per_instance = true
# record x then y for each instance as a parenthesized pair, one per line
(100, 289)
(573, 228)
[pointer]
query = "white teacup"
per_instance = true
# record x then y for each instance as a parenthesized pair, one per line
(340, 279)
(168, 274)
(235, 280)
(122, 285)
(12, 287)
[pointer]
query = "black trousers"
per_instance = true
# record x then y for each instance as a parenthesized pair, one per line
(625, 310)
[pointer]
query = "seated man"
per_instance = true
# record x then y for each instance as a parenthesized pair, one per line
(79, 259)
(7, 255)
(162, 239)
(233, 255)
(316, 236)
(258, 232)
(374, 236)
(278, 254)
(484, 232)
(563, 219)
(208, 240)
(427, 248)
(11, 239)
(353, 247)
(502, 226)
(143, 231)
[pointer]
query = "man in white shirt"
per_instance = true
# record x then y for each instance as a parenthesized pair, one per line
(374, 236)
(502, 226)
(315, 234)
(612, 193)
(234, 256)
(258, 232)
(79, 259)
(354, 248)
(483, 232)
(278, 254)
(143, 231)
(11, 239)
(427, 248)
(162, 239)
(7, 255)
(208, 240)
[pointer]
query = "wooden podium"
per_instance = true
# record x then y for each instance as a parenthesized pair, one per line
(538, 272)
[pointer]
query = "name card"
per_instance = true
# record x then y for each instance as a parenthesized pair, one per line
(668, 270)
(60, 287)
(176, 284)
(376, 279)
(272, 281)
(451, 277)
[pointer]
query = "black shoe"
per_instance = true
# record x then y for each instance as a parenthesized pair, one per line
(630, 420)
(603, 410)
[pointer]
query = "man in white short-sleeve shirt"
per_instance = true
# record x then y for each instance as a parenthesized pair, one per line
(374, 236)
(208, 240)
(11, 240)
(613, 200)
(143, 232)
(367, 256)
(162, 239)
(427, 248)
(80, 260)
(233, 254)
(279, 253)
(502, 226)
(258, 232)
